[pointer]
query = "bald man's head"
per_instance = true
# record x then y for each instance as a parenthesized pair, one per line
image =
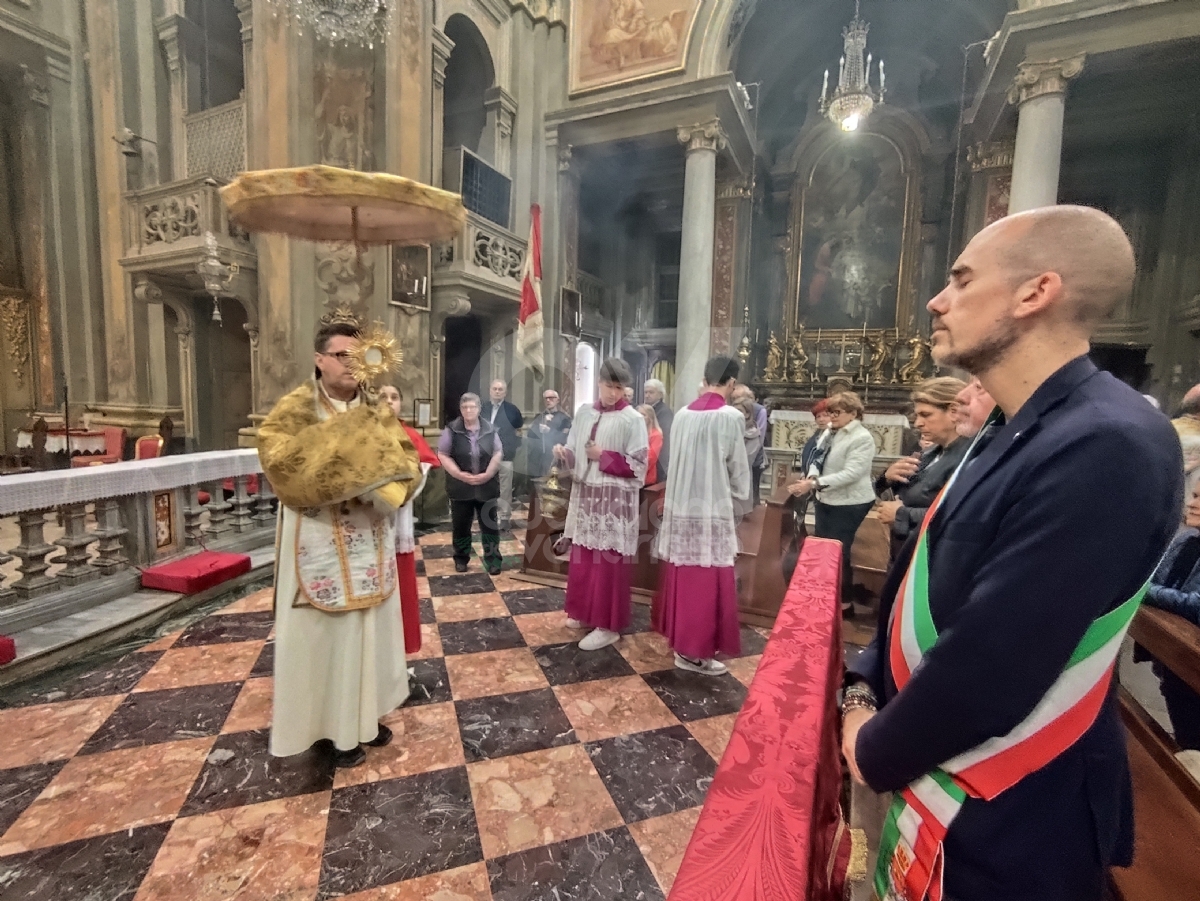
(1191, 401)
(1087, 248)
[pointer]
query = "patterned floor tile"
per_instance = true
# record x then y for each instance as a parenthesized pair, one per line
(494, 673)
(535, 600)
(713, 733)
(265, 665)
(262, 601)
(182, 666)
(400, 829)
(663, 841)
(651, 774)
(252, 709)
(424, 739)
(427, 614)
(48, 732)
(546, 628)
(115, 677)
(468, 583)
(599, 867)
(639, 618)
(693, 697)
(240, 770)
(611, 707)
(469, 883)
(501, 725)
(564, 664)
(110, 792)
(753, 642)
(431, 643)
(473, 636)
(538, 798)
(163, 643)
(231, 627)
(462, 607)
(268, 850)
(20, 787)
(444, 566)
(511, 580)
(435, 539)
(436, 551)
(744, 668)
(109, 867)
(428, 683)
(646, 652)
(152, 717)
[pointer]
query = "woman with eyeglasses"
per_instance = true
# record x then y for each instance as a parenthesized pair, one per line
(844, 495)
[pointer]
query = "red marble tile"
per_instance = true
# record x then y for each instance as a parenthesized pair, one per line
(252, 709)
(204, 665)
(469, 883)
(423, 739)
(46, 732)
(663, 840)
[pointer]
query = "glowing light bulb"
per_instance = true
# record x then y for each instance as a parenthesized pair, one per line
(850, 123)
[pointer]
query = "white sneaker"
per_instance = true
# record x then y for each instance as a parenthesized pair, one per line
(599, 638)
(575, 624)
(709, 667)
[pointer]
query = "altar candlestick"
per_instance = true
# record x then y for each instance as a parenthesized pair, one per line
(825, 86)
(881, 77)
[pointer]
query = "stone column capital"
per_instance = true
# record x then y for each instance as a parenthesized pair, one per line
(37, 89)
(703, 136)
(146, 290)
(1037, 79)
(565, 153)
(442, 47)
(504, 105)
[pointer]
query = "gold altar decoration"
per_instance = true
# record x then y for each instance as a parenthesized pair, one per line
(325, 203)
(913, 371)
(797, 359)
(375, 354)
(775, 370)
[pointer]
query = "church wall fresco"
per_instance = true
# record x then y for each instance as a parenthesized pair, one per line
(615, 42)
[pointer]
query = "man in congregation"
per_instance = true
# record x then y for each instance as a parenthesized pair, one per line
(505, 418)
(696, 605)
(341, 467)
(997, 723)
(547, 431)
(655, 393)
(760, 420)
(1187, 427)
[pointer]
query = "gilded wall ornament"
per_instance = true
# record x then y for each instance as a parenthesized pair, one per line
(15, 316)
(797, 359)
(913, 371)
(775, 370)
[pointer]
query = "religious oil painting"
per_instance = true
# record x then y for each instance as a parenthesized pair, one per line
(618, 41)
(164, 520)
(852, 235)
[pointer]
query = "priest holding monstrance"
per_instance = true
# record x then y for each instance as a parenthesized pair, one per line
(341, 465)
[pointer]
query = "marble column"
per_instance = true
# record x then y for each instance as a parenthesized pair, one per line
(696, 257)
(1039, 92)
(442, 46)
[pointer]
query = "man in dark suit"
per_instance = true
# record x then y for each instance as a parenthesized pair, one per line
(505, 418)
(1033, 542)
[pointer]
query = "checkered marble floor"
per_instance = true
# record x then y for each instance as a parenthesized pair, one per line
(522, 768)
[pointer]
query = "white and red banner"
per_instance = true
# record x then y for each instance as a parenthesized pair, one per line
(529, 319)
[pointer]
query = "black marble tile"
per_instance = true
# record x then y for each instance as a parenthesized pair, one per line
(398, 829)
(251, 775)
(427, 615)
(501, 725)
(265, 664)
(419, 567)
(692, 696)
(641, 619)
(437, 551)
(116, 677)
(105, 868)
(534, 600)
(599, 867)
(229, 627)
(465, 583)
(475, 635)
(752, 642)
(428, 682)
(564, 664)
(20, 787)
(651, 774)
(174, 714)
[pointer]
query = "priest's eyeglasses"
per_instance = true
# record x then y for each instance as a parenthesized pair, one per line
(343, 356)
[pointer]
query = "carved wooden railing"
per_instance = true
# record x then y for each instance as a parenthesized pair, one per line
(100, 523)
(174, 217)
(483, 255)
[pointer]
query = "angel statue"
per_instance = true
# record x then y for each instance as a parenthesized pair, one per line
(797, 361)
(877, 347)
(774, 371)
(914, 370)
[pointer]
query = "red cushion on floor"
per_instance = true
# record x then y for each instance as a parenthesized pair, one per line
(8, 650)
(195, 573)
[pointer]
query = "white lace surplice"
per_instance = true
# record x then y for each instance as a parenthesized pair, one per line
(708, 470)
(603, 514)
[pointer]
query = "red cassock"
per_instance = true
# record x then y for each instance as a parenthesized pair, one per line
(406, 565)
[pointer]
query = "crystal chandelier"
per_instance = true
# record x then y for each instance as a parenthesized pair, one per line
(339, 21)
(853, 99)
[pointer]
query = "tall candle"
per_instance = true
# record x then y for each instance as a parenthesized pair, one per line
(825, 86)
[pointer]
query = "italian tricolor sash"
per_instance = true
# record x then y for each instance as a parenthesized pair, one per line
(910, 852)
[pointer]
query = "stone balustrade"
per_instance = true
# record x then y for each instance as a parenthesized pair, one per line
(71, 540)
(173, 218)
(482, 257)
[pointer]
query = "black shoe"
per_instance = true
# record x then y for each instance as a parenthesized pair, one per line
(493, 569)
(347, 759)
(383, 737)
(460, 566)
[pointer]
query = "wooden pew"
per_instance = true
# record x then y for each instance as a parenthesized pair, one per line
(1166, 800)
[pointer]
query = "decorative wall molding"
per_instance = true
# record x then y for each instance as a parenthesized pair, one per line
(990, 155)
(14, 314)
(548, 11)
(497, 253)
(167, 219)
